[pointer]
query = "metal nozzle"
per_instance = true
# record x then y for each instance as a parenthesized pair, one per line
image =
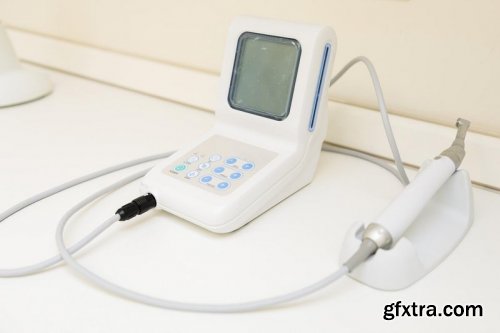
(462, 127)
(375, 237)
(379, 235)
(456, 152)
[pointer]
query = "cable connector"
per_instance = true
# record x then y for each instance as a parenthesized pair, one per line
(136, 207)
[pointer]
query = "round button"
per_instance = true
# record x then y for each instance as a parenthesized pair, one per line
(222, 185)
(206, 179)
(192, 174)
(215, 158)
(204, 165)
(231, 160)
(180, 167)
(219, 170)
(235, 175)
(192, 159)
(247, 166)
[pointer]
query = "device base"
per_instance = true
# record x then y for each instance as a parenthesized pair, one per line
(21, 86)
(432, 237)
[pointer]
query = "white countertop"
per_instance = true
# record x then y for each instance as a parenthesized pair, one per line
(84, 126)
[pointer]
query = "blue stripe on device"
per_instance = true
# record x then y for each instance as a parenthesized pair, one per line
(319, 87)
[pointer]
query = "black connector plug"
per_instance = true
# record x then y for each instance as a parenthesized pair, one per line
(136, 207)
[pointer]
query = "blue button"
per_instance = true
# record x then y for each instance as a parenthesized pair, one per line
(247, 166)
(231, 160)
(206, 179)
(235, 175)
(219, 170)
(223, 185)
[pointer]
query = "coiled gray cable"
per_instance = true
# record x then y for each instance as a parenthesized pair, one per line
(66, 253)
(198, 307)
(43, 265)
(165, 303)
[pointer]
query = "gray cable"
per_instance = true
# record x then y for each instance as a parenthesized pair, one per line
(66, 253)
(366, 249)
(43, 265)
(40, 266)
(50, 192)
(165, 303)
(358, 257)
(357, 154)
(383, 110)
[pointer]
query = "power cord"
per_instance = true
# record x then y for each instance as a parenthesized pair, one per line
(165, 303)
(143, 204)
(44, 264)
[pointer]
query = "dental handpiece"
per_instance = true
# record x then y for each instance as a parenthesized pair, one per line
(390, 226)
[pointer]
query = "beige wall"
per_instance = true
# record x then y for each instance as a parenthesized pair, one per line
(437, 59)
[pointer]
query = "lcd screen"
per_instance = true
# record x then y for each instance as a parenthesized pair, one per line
(264, 75)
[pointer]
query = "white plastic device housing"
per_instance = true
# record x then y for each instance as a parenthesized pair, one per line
(296, 148)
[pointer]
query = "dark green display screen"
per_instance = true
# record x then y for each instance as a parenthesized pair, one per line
(264, 75)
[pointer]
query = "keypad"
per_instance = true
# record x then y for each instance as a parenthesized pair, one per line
(216, 171)
(219, 164)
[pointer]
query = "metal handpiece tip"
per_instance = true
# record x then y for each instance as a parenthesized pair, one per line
(462, 127)
(462, 123)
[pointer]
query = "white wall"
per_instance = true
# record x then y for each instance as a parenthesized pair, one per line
(437, 59)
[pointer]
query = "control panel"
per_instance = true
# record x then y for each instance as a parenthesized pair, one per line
(219, 164)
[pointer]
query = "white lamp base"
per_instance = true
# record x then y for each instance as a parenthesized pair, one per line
(19, 86)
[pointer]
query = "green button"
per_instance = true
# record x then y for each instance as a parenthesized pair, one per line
(180, 167)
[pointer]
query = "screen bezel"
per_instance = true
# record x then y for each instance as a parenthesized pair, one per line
(237, 57)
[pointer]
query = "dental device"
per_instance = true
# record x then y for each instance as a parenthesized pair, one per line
(419, 228)
(400, 214)
(271, 121)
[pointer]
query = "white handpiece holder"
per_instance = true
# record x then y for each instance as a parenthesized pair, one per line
(438, 229)
(18, 85)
